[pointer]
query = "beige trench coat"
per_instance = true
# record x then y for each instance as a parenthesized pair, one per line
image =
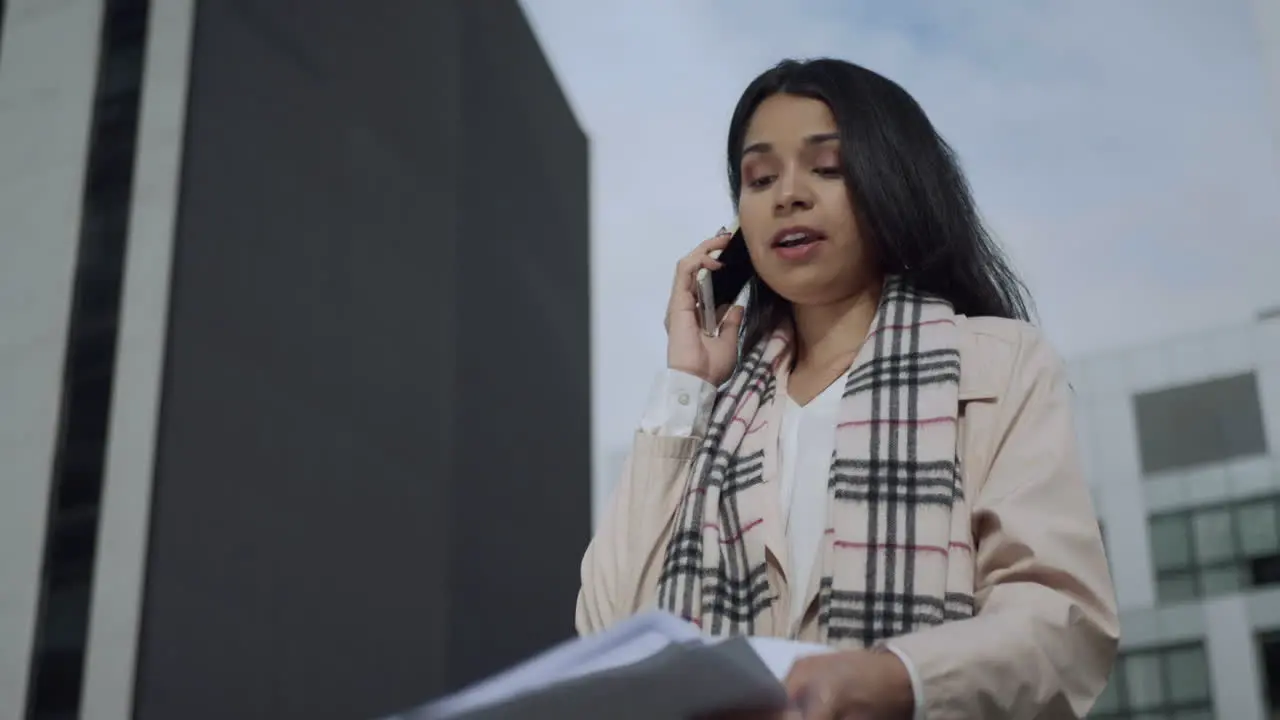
(1045, 635)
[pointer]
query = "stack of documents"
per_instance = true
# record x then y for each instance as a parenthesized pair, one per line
(649, 667)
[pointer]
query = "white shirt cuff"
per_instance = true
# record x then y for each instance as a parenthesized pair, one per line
(679, 405)
(916, 688)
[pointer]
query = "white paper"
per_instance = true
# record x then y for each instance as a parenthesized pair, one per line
(779, 654)
(627, 642)
(624, 644)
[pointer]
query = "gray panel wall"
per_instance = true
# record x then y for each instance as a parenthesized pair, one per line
(299, 532)
(522, 485)
(372, 476)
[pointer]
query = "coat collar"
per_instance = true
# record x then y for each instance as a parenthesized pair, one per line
(979, 377)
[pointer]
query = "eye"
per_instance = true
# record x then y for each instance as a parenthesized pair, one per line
(829, 172)
(760, 182)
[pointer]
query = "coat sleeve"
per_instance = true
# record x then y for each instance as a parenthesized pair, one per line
(1046, 630)
(621, 565)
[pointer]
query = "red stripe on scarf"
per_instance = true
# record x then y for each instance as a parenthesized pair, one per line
(954, 544)
(735, 538)
(893, 421)
(850, 545)
(749, 430)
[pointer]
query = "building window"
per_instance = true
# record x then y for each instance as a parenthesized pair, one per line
(1271, 673)
(1208, 422)
(1168, 682)
(1216, 550)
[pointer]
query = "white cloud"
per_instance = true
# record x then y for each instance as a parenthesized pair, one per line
(1122, 152)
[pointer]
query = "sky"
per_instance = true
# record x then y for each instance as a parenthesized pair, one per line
(1123, 153)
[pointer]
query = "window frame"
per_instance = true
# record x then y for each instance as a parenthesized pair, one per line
(1166, 707)
(1238, 559)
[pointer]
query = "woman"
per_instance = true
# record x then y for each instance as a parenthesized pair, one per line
(888, 466)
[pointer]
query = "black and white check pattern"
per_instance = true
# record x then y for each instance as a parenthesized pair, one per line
(897, 553)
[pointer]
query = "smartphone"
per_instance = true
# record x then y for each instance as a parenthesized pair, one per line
(724, 285)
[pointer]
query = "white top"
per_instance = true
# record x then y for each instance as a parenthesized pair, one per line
(806, 445)
(680, 405)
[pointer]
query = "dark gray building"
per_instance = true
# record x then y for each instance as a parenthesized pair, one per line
(294, 350)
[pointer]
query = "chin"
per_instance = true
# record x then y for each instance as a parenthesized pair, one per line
(804, 286)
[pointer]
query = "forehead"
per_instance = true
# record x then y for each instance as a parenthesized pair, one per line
(788, 120)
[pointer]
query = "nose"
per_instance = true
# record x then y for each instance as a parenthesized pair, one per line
(792, 193)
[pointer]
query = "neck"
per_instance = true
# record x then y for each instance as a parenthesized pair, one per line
(833, 330)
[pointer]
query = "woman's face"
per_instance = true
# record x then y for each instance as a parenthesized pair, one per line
(794, 208)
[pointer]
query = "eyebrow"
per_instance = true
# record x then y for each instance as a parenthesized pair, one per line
(764, 147)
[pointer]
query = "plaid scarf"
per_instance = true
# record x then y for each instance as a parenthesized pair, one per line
(896, 555)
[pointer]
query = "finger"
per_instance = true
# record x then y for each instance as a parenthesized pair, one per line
(804, 687)
(719, 241)
(689, 265)
(814, 704)
(684, 298)
(702, 252)
(702, 256)
(798, 680)
(683, 295)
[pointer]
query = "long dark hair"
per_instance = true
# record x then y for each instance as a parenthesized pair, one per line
(910, 197)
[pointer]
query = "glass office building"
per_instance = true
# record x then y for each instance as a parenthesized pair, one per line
(1181, 442)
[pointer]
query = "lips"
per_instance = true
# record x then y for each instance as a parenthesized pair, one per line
(798, 236)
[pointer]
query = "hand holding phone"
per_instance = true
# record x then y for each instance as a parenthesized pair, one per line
(707, 301)
(722, 287)
(690, 349)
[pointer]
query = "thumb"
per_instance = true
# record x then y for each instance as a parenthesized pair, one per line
(732, 320)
